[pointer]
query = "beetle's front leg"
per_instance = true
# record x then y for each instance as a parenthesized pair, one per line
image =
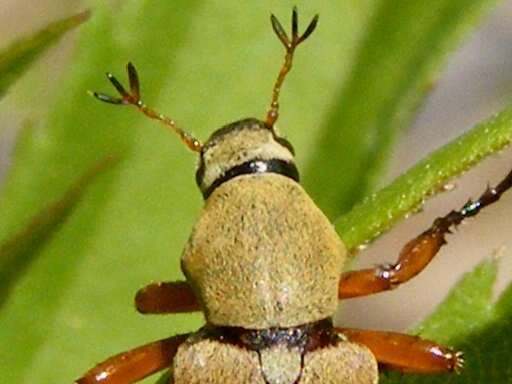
(406, 353)
(166, 297)
(416, 254)
(136, 364)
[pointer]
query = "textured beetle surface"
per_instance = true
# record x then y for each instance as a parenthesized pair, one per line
(265, 266)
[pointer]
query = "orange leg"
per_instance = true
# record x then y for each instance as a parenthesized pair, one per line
(405, 353)
(131, 366)
(416, 254)
(167, 297)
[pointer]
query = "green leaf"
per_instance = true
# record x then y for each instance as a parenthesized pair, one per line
(397, 63)
(19, 55)
(378, 212)
(451, 323)
(18, 251)
(469, 320)
(164, 379)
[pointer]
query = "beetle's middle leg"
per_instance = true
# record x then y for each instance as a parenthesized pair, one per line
(416, 254)
(166, 297)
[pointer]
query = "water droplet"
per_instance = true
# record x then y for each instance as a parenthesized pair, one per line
(362, 247)
(449, 187)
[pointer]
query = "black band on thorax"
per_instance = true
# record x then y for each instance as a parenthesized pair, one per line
(278, 166)
(306, 337)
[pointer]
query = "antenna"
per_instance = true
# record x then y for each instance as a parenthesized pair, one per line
(290, 45)
(133, 98)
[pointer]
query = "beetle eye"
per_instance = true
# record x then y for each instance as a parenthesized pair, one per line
(285, 143)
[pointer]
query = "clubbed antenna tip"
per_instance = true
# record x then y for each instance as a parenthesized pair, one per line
(133, 98)
(290, 44)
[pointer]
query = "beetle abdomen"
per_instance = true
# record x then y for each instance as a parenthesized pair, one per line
(263, 255)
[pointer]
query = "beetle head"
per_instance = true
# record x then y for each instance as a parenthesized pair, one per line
(243, 147)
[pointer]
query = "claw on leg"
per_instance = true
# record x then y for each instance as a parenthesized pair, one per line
(418, 253)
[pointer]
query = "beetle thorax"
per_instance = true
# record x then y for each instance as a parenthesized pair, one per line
(263, 255)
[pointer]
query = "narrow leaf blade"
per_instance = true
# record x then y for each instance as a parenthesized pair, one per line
(20, 250)
(378, 212)
(19, 56)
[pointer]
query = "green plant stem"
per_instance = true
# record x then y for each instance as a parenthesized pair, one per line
(380, 211)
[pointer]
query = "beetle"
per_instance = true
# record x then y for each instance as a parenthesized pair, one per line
(264, 264)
